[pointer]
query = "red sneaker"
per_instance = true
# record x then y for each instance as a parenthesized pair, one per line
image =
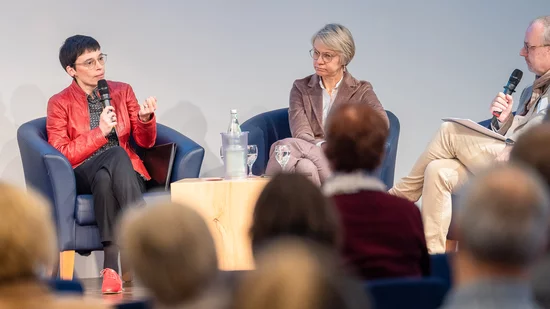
(111, 282)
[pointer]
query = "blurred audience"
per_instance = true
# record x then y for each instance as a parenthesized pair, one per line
(291, 205)
(173, 255)
(502, 230)
(383, 234)
(296, 274)
(533, 149)
(28, 248)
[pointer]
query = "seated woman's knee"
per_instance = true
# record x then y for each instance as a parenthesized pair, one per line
(118, 151)
(102, 180)
(121, 158)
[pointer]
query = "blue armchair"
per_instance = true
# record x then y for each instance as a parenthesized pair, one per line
(266, 128)
(421, 293)
(49, 172)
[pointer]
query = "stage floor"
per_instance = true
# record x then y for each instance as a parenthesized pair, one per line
(132, 291)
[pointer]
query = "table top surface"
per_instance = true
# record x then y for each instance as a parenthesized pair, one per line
(220, 179)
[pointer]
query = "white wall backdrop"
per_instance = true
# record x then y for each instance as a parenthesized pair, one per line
(426, 59)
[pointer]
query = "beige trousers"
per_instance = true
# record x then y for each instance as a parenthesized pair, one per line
(453, 153)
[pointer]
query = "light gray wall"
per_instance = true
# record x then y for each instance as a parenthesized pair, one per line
(426, 59)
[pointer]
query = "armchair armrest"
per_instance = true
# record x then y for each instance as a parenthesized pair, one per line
(50, 173)
(189, 154)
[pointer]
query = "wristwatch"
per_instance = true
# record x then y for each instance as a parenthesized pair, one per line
(509, 142)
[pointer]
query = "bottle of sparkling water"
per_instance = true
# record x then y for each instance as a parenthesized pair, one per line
(235, 153)
(234, 127)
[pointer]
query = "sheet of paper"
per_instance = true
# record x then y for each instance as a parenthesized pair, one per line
(476, 127)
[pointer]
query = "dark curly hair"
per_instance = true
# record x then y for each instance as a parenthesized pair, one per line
(355, 138)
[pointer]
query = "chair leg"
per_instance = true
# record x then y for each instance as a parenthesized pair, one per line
(66, 264)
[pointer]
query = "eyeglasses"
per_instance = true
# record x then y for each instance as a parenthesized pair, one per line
(315, 54)
(92, 63)
(528, 47)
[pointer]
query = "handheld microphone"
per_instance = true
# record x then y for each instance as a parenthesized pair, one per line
(510, 87)
(104, 95)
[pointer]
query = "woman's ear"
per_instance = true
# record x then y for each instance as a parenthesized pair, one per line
(71, 71)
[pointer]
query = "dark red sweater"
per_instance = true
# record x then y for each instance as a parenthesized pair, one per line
(383, 235)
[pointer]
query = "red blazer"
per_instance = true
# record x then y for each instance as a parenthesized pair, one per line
(68, 124)
(383, 235)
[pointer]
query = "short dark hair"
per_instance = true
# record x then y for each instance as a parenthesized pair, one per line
(75, 46)
(356, 138)
(291, 205)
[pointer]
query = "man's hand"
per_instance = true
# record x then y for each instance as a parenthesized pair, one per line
(147, 109)
(502, 103)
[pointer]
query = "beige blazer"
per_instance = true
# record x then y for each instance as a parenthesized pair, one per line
(306, 104)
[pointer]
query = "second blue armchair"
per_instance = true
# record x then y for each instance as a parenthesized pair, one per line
(267, 128)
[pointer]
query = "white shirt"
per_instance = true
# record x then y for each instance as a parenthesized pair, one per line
(328, 100)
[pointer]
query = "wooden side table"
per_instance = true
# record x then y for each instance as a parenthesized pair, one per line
(227, 207)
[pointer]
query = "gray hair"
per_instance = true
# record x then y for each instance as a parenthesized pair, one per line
(545, 22)
(338, 38)
(503, 216)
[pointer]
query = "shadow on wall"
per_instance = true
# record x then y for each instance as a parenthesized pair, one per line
(27, 103)
(189, 120)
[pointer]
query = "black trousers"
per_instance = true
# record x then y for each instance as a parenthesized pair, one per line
(114, 184)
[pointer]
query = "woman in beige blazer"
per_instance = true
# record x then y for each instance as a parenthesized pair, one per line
(312, 98)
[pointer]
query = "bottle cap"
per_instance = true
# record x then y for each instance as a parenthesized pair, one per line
(233, 111)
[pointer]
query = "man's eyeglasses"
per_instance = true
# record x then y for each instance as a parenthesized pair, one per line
(529, 48)
(92, 63)
(315, 54)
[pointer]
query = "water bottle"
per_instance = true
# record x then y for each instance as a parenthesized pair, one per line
(234, 127)
(235, 150)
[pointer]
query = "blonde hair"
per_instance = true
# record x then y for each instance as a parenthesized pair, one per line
(338, 38)
(295, 274)
(171, 250)
(27, 233)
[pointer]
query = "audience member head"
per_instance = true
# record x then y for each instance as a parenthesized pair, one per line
(333, 49)
(295, 274)
(536, 49)
(355, 138)
(27, 234)
(171, 250)
(502, 222)
(291, 205)
(533, 149)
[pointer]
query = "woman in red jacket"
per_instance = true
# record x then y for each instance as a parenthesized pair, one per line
(383, 235)
(95, 140)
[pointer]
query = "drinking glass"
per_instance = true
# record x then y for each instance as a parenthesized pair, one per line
(282, 154)
(252, 155)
